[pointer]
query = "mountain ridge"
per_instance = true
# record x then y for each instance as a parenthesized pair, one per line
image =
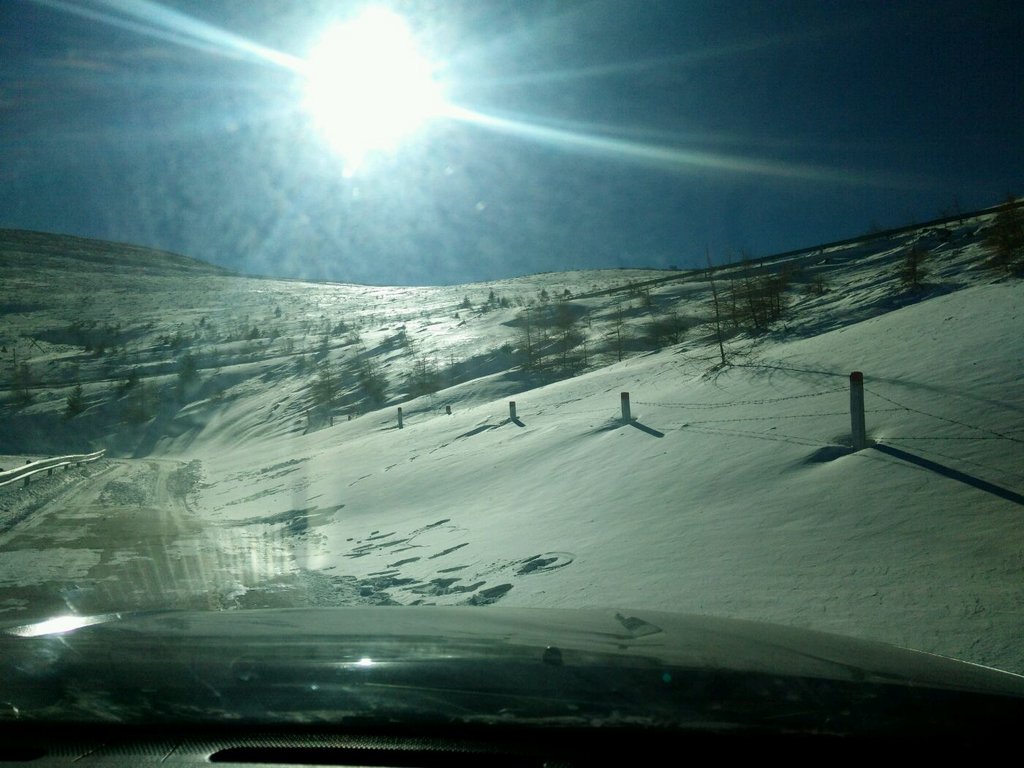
(17, 244)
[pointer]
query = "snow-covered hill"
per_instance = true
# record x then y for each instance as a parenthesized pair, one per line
(732, 492)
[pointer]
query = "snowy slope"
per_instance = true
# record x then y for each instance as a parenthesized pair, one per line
(732, 493)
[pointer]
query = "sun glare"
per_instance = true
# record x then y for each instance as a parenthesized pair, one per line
(368, 86)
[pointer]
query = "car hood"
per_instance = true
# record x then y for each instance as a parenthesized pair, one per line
(448, 664)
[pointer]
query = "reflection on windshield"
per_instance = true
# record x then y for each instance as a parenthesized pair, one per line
(509, 305)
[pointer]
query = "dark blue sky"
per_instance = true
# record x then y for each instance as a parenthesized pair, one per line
(621, 133)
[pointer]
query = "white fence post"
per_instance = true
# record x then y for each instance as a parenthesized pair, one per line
(860, 439)
(400, 417)
(625, 408)
(512, 409)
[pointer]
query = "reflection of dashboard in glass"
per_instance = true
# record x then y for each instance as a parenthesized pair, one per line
(518, 214)
(465, 665)
(454, 686)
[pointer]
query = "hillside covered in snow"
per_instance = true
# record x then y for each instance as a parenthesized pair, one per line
(264, 413)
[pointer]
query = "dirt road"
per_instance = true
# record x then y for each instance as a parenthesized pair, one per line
(125, 539)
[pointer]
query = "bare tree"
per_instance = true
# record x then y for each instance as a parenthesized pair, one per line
(188, 375)
(716, 305)
(911, 272)
(140, 407)
(373, 382)
(1005, 241)
(666, 328)
(22, 381)
(325, 386)
(424, 378)
(759, 299)
(617, 333)
(528, 339)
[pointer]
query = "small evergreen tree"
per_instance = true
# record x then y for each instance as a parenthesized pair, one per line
(75, 402)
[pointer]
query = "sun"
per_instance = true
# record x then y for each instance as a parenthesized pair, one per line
(368, 86)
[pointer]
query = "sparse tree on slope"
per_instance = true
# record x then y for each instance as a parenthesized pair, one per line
(140, 406)
(373, 382)
(424, 379)
(527, 339)
(617, 335)
(717, 307)
(188, 375)
(325, 386)
(668, 328)
(1005, 241)
(22, 381)
(912, 273)
(75, 402)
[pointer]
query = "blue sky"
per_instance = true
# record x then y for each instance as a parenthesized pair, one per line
(611, 133)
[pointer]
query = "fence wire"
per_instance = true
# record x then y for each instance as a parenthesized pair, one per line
(993, 434)
(770, 418)
(730, 404)
(566, 409)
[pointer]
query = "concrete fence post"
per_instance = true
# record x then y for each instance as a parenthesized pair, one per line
(625, 408)
(512, 409)
(860, 439)
(400, 425)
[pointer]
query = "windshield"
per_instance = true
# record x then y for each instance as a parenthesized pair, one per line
(700, 308)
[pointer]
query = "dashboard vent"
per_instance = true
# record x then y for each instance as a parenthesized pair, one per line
(395, 758)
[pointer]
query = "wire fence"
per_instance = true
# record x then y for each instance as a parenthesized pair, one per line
(734, 403)
(838, 410)
(991, 433)
(888, 405)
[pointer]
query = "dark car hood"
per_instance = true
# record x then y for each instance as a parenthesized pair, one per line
(472, 664)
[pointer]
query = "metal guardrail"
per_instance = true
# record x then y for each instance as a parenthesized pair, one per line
(26, 471)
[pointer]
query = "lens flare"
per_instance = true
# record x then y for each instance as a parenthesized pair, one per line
(368, 86)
